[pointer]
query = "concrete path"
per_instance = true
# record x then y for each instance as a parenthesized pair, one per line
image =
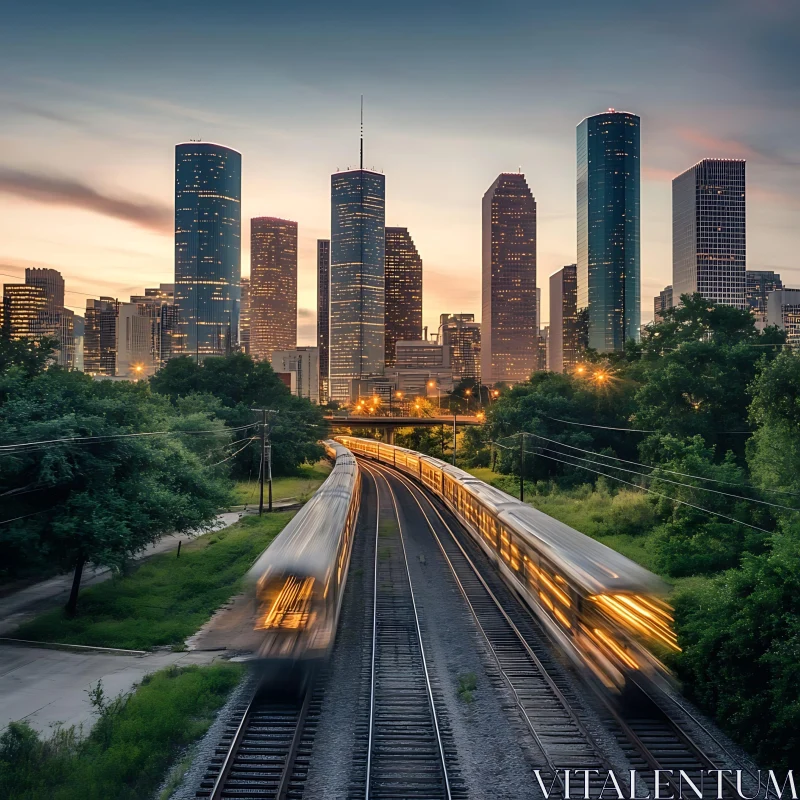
(45, 687)
(21, 606)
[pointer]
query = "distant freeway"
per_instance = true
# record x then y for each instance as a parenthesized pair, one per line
(368, 421)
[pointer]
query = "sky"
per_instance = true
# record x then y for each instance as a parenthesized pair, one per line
(94, 96)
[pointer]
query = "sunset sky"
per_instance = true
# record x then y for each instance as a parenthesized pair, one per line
(94, 97)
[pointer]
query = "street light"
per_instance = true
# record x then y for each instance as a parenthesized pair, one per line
(431, 384)
(468, 392)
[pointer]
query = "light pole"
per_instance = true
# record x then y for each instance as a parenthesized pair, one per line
(431, 384)
(266, 457)
(468, 393)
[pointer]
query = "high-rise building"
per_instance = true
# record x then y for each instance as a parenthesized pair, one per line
(78, 330)
(53, 319)
(460, 336)
(22, 304)
(273, 286)
(563, 334)
(244, 315)
(100, 337)
(303, 365)
(708, 232)
(158, 307)
(758, 284)
(661, 302)
(608, 189)
(783, 310)
(357, 293)
(208, 190)
(323, 314)
(510, 338)
(403, 290)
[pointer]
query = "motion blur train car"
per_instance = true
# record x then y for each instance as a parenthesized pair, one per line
(606, 612)
(297, 583)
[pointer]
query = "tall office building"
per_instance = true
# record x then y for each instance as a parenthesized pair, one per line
(661, 302)
(609, 265)
(357, 299)
(510, 337)
(460, 336)
(157, 306)
(22, 304)
(708, 231)
(273, 286)
(208, 190)
(244, 315)
(323, 314)
(758, 284)
(403, 291)
(563, 334)
(53, 319)
(100, 336)
(783, 310)
(302, 365)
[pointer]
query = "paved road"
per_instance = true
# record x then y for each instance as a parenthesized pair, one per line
(46, 687)
(21, 606)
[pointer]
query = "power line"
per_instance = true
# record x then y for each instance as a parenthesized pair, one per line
(630, 430)
(9, 448)
(250, 439)
(652, 466)
(659, 494)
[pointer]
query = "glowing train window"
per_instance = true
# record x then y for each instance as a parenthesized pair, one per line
(291, 608)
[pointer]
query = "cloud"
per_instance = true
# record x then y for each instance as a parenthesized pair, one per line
(719, 147)
(70, 192)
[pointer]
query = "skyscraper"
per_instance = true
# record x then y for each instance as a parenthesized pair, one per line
(273, 286)
(323, 314)
(563, 336)
(460, 336)
(100, 336)
(609, 269)
(357, 308)
(403, 291)
(708, 231)
(244, 315)
(510, 338)
(208, 189)
(661, 303)
(758, 284)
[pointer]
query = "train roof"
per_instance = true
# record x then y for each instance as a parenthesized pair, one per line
(587, 561)
(309, 543)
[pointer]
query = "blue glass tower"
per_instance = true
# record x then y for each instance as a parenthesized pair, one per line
(609, 264)
(208, 191)
(357, 275)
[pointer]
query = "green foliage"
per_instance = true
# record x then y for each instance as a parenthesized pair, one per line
(436, 441)
(102, 500)
(740, 636)
(165, 599)
(294, 487)
(130, 748)
(467, 684)
(231, 387)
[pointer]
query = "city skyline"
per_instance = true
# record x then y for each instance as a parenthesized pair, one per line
(107, 123)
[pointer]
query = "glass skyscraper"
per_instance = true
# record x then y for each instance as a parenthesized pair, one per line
(609, 264)
(510, 336)
(564, 319)
(708, 232)
(403, 291)
(357, 295)
(323, 313)
(208, 190)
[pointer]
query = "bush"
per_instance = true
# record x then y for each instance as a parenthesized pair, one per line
(130, 748)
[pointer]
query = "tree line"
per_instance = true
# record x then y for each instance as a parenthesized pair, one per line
(93, 471)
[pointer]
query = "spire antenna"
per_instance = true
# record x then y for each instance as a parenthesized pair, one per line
(361, 160)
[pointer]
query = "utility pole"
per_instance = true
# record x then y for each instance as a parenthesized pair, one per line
(454, 438)
(521, 465)
(266, 458)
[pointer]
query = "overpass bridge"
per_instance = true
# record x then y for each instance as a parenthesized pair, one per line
(388, 424)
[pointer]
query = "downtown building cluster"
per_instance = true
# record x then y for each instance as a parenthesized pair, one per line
(370, 336)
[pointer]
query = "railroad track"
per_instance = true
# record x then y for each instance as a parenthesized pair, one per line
(647, 734)
(406, 751)
(264, 752)
(544, 702)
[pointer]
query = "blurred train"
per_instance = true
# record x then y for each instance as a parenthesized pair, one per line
(297, 583)
(606, 612)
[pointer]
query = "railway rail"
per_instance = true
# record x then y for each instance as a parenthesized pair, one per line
(406, 753)
(647, 733)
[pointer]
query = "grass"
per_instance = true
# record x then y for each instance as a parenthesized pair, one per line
(165, 599)
(129, 750)
(467, 684)
(294, 487)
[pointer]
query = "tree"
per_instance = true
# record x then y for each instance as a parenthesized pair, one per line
(233, 386)
(112, 492)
